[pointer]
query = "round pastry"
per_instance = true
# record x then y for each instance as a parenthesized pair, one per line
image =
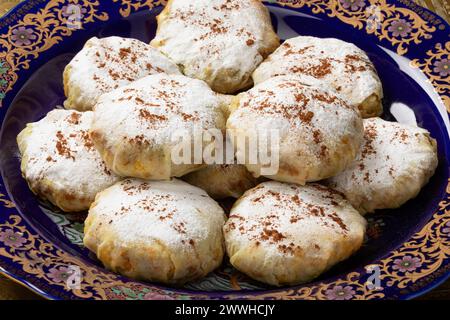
(319, 134)
(138, 128)
(59, 160)
(107, 64)
(165, 231)
(222, 181)
(394, 163)
(218, 41)
(339, 64)
(286, 234)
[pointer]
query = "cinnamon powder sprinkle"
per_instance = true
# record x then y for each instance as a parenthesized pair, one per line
(350, 61)
(317, 136)
(139, 100)
(298, 52)
(74, 118)
(338, 221)
(318, 71)
(124, 52)
(323, 151)
(87, 140)
(306, 116)
(325, 98)
(272, 234)
(62, 146)
(150, 116)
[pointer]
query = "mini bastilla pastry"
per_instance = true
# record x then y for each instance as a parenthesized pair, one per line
(59, 160)
(165, 231)
(285, 234)
(107, 64)
(135, 127)
(222, 181)
(319, 134)
(339, 64)
(218, 41)
(394, 163)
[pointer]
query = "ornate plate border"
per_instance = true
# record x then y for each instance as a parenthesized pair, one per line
(29, 258)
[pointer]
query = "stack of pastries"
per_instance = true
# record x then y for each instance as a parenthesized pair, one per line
(218, 64)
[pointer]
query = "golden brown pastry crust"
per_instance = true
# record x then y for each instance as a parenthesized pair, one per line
(211, 41)
(285, 234)
(394, 163)
(164, 231)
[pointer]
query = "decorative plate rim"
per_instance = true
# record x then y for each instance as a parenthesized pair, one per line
(31, 260)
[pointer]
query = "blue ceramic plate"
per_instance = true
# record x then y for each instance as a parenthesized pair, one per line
(409, 247)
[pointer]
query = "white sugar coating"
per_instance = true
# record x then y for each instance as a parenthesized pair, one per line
(155, 107)
(148, 114)
(283, 233)
(296, 214)
(166, 231)
(59, 160)
(173, 212)
(109, 63)
(319, 133)
(219, 41)
(342, 65)
(394, 163)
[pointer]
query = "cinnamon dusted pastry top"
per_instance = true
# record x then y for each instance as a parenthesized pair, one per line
(218, 41)
(341, 65)
(165, 231)
(107, 64)
(394, 163)
(319, 133)
(286, 234)
(60, 162)
(137, 128)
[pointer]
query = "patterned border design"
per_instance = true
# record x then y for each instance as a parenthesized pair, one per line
(416, 264)
(400, 26)
(423, 255)
(129, 6)
(36, 33)
(44, 261)
(437, 69)
(6, 203)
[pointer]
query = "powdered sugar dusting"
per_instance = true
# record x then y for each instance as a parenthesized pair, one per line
(395, 161)
(342, 65)
(210, 38)
(286, 219)
(109, 63)
(151, 109)
(172, 212)
(314, 122)
(58, 150)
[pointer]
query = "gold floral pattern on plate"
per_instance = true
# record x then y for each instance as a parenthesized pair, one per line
(398, 25)
(37, 32)
(45, 261)
(6, 203)
(437, 69)
(129, 6)
(413, 262)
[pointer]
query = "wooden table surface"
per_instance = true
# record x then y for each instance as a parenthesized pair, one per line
(10, 290)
